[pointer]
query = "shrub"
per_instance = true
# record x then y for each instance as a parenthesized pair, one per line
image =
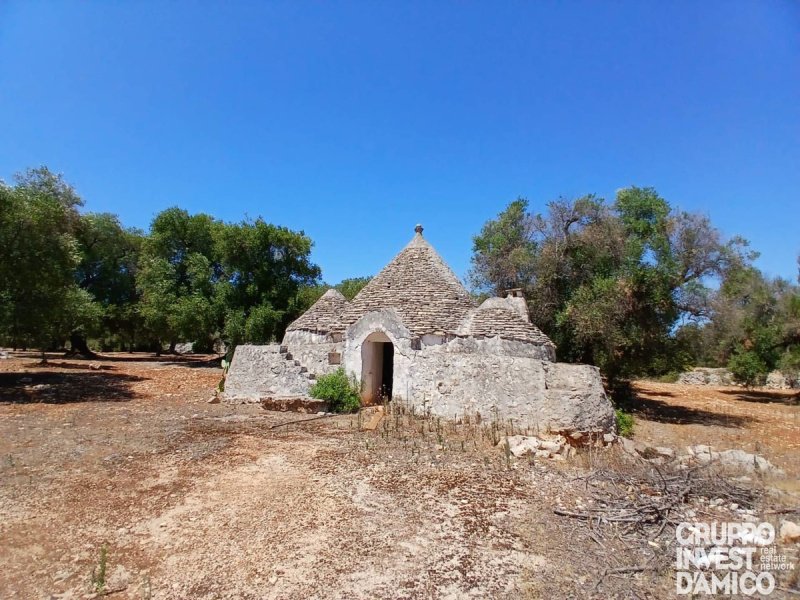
(671, 377)
(624, 423)
(341, 392)
(747, 368)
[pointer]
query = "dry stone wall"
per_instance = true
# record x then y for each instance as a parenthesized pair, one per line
(258, 371)
(534, 393)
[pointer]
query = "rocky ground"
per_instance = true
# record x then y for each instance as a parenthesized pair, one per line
(119, 479)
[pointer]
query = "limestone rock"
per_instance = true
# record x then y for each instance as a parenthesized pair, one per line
(520, 445)
(789, 532)
(776, 380)
(751, 463)
(658, 454)
(553, 446)
(184, 348)
(734, 459)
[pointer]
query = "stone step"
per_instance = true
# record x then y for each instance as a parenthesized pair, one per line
(312, 377)
(288, 356)
(283, 349)
(300, 404)
(297, 363)
(303, 370)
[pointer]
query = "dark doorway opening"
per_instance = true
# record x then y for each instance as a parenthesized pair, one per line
(387, 370)
(377, 368)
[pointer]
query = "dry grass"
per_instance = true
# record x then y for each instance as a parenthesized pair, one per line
(194, 500)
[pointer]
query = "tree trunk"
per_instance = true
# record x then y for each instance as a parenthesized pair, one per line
(79, 346)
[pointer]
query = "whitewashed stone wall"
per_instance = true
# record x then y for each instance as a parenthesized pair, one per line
(447, 376)
(389, 323)
(534, 393)
(492, 377)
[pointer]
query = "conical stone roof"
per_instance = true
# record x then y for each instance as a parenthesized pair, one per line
(496, 317)
(420, 286)
(323, 316)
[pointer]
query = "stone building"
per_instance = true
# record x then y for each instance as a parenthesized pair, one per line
(414, 333)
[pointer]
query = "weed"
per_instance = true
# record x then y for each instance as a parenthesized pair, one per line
(341, 392)
(99, 572)
(624, 422)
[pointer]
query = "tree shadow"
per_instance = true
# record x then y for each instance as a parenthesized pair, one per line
(58, 364)
(663, 394)
(764, 397)
(65, 388)
(662, 412)
(82, 362)
(191, 361)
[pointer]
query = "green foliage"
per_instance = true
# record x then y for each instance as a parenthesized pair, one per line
(608, 283)
(504, 251)
(266, 279)
(66, 275)
(40, 302)
(753, 326)
(342, 393)
(109, 256)
(624, 423)
(670, 377)
(748, 367)
(350, 287)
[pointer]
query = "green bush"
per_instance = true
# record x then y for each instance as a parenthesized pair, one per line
(671, 377)
(748, 368)
(341, 392)
(624, 423)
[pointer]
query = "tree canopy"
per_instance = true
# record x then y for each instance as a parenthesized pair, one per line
(634, 286)
(72, 276)
(609, 283)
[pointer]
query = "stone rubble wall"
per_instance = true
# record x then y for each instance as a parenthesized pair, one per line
(541, 395)
(314, 357)
(707, 376)
(258, 371)
(777, 380)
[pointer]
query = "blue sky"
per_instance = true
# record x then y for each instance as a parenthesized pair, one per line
(355, 120)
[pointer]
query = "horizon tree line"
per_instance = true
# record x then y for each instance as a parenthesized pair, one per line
(634, 286)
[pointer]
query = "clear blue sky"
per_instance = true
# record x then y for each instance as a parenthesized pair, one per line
(355, 120)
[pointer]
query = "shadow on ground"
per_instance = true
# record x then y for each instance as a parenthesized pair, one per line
(661, 412)
(763, 396)
(63, 388)
(57, 359)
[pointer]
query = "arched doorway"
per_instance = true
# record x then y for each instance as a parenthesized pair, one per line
(377, 368)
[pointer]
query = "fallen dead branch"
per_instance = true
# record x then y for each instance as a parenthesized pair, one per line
(631, 511)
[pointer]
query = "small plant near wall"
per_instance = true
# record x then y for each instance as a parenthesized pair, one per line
(340, 391)
(624, 423)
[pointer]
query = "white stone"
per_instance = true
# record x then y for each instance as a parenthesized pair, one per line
(520, 445)
(553, 446)
(789, 532)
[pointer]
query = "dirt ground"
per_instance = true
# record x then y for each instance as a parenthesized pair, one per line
(124, 458)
